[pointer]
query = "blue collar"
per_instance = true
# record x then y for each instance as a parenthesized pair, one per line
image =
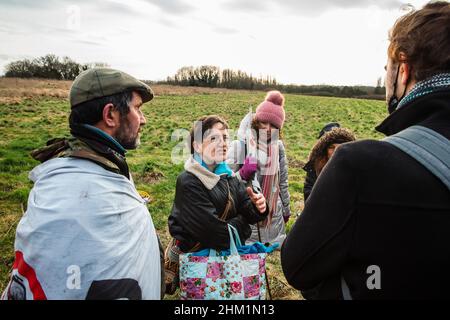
(106, 136)
(220, 169)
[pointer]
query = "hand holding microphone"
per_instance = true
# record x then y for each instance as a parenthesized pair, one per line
(258, 200)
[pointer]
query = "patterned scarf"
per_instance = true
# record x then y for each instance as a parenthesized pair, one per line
(436, 83)
(271, 180)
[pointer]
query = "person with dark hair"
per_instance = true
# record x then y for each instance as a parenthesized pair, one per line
(209, 196)
(325, 147)
(376, 223)
(311, 175)
(87, 233)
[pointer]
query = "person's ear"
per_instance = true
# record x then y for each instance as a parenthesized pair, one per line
(197, 147)
(405, 69)
(110, 116)
(405, 73)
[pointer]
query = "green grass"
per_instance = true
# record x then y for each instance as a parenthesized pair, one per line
(29, 124)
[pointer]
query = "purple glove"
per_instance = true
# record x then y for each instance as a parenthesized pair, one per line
(286, 218)
(249, 168)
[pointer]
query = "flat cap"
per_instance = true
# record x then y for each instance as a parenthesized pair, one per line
(101, 82)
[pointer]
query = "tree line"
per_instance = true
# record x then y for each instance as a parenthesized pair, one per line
(48, 67)
(52, 67)
(214, 77)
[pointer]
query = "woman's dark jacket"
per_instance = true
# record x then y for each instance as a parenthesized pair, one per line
(200, 198)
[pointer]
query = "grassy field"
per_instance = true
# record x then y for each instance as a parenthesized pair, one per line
(33, 111)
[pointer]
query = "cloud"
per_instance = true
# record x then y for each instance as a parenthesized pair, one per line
(319, 6)
(26, 3)
(10, 30)
(34, 27)
(225, 30)
(167, 23)
(43, 4)
(172, 6)
(117, 7)
(315, 7)
(247, 5)
(90, 43)
(111, 6)
(5, 57)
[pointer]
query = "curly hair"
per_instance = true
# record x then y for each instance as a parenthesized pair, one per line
(424, 36)
(319, 153)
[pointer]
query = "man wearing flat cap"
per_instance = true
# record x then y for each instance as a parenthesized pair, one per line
(87, 233)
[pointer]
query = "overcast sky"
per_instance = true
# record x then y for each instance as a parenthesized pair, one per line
(340, 42)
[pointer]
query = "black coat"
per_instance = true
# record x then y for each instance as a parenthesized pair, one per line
(310, 180)
(194, 216)
(375, 205)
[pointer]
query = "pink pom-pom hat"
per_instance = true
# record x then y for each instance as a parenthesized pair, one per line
(272, 109)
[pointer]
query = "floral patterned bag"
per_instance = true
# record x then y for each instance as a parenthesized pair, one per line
(232, 276)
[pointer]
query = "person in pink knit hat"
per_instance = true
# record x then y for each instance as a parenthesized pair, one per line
(259, 159)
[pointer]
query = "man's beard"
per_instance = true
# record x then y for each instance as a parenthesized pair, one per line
(127, 139)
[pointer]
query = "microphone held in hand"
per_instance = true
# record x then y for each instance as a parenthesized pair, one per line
(258, 200)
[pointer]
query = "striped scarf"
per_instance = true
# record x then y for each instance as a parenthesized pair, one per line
(436, 83)
(271, 180)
